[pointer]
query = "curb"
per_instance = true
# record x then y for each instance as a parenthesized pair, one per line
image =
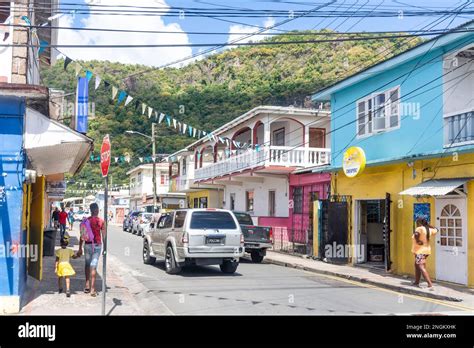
(364, 281)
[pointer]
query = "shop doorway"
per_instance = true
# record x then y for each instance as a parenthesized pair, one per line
(451, 241)
(372, 240)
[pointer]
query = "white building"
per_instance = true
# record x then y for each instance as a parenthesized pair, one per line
(249, 160)
(141, 188)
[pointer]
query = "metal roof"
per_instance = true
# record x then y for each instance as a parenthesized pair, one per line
(439, 187)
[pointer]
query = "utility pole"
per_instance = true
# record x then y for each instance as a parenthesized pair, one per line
(153, 140)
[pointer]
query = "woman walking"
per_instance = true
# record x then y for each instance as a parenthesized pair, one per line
(421, 249)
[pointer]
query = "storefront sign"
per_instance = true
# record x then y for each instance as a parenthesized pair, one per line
(56, 189)
(353, 162)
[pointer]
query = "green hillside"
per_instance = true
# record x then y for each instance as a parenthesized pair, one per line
(210, 92)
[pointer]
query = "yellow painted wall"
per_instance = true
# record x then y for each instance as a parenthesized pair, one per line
(374, 182)
(214, 198)
(35, 237)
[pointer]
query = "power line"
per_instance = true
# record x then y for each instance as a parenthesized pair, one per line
(259, 43)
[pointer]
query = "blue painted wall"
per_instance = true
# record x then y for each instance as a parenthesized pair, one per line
(416, 135)
(12, 268)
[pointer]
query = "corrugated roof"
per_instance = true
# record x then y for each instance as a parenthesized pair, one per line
(440, 187)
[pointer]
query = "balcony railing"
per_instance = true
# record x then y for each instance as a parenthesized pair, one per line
(459, 128)
(287, 156)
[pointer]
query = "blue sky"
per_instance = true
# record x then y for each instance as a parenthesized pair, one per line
(160, 56)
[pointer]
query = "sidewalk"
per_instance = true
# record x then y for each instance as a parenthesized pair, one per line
(374, 277)
(125, 295)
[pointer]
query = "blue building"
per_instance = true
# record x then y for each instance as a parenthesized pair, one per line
(410, 120)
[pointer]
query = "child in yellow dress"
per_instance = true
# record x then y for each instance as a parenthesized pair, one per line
(63, 267)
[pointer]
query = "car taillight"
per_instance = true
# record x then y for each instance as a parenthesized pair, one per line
(185, 239)
(271, 234)
(242, 239)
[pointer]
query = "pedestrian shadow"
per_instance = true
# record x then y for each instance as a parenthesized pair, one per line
(198, 271)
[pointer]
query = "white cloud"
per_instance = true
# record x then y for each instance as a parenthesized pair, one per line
(147, 56)
(241, 29)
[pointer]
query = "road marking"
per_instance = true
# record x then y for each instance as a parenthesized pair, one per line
(416, 297)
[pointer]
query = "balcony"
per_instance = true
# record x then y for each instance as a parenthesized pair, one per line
(459, 128)
(287, 156)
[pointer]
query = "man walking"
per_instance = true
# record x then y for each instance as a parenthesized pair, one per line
(92, 248)
(62, 222)
(55, 217)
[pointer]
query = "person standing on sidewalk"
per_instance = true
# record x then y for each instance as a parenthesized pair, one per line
(421, 249)
(70, 217)
(92, 248)
(55, 217)
(62, 222)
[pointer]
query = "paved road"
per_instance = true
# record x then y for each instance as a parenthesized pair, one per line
(261, 289)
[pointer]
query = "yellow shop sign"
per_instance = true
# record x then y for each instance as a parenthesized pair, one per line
(354, 161)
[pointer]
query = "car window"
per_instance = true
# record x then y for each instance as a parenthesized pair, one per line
(166, 221)
(212, 220)
(244, 219)
(180, 216)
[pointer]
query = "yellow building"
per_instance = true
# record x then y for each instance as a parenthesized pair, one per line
(205, 198)
(450, 202)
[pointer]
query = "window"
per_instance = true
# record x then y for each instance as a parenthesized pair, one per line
(378, 112)
(139, 177)
(279, 137)
(196, 203)
(232, 201)
(212, 220)
(180, 216)
(4, 13)
(166, 221)
(317, 137)
(184, 166)
(271, 203)
(203, 202)
(249, 201)
(374, 212)
(162, 179)
(244, 219)
(298, 200)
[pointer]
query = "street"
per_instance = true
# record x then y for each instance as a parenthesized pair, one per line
(262, 289)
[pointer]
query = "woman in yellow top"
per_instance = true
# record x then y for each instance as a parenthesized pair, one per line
(421, 249)
(63, 267)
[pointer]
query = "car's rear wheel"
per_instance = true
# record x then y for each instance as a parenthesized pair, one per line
(171, 265)
(147, 258)
(229, 266)
(256, 256)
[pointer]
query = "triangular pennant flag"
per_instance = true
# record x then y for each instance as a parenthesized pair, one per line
(140, 159)
(143, 108)
(204, 132)
(116, 159)
(194, 133)
(184, 128)
(162, 116)
(67, 61)
(150, 110)
(179, 126)
(97, 81)
(106, 84)
(190, 130)
(114, 92)
(88, 75)
(168, 120)
(128, 100)
(156, 115)
(199, 133)
(174, 123)
(121, 96)
(78, 68)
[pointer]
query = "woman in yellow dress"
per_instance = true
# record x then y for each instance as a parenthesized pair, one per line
(63, 267)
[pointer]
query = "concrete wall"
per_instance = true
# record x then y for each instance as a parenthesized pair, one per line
(278, 184)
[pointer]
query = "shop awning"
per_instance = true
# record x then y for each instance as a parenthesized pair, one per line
(52, 147)
(438, 187)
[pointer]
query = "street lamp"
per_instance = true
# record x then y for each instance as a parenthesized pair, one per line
(153, 142)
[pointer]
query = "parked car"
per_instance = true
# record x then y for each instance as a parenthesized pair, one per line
(257, 238)
(142, 223)
(195, 237)
(128, 220)
(79, 215)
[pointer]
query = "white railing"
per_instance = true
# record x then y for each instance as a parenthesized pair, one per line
(459, 128)
(287, 156)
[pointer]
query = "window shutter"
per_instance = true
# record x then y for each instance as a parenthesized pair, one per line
(379, 112)
(361, 118)
(394, 107)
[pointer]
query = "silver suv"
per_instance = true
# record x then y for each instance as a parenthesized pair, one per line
(195, 237)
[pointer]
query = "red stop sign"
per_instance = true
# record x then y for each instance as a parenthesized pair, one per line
(105, 156)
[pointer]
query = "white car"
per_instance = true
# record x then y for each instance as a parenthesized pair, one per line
(141, 222)
(79, 215)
